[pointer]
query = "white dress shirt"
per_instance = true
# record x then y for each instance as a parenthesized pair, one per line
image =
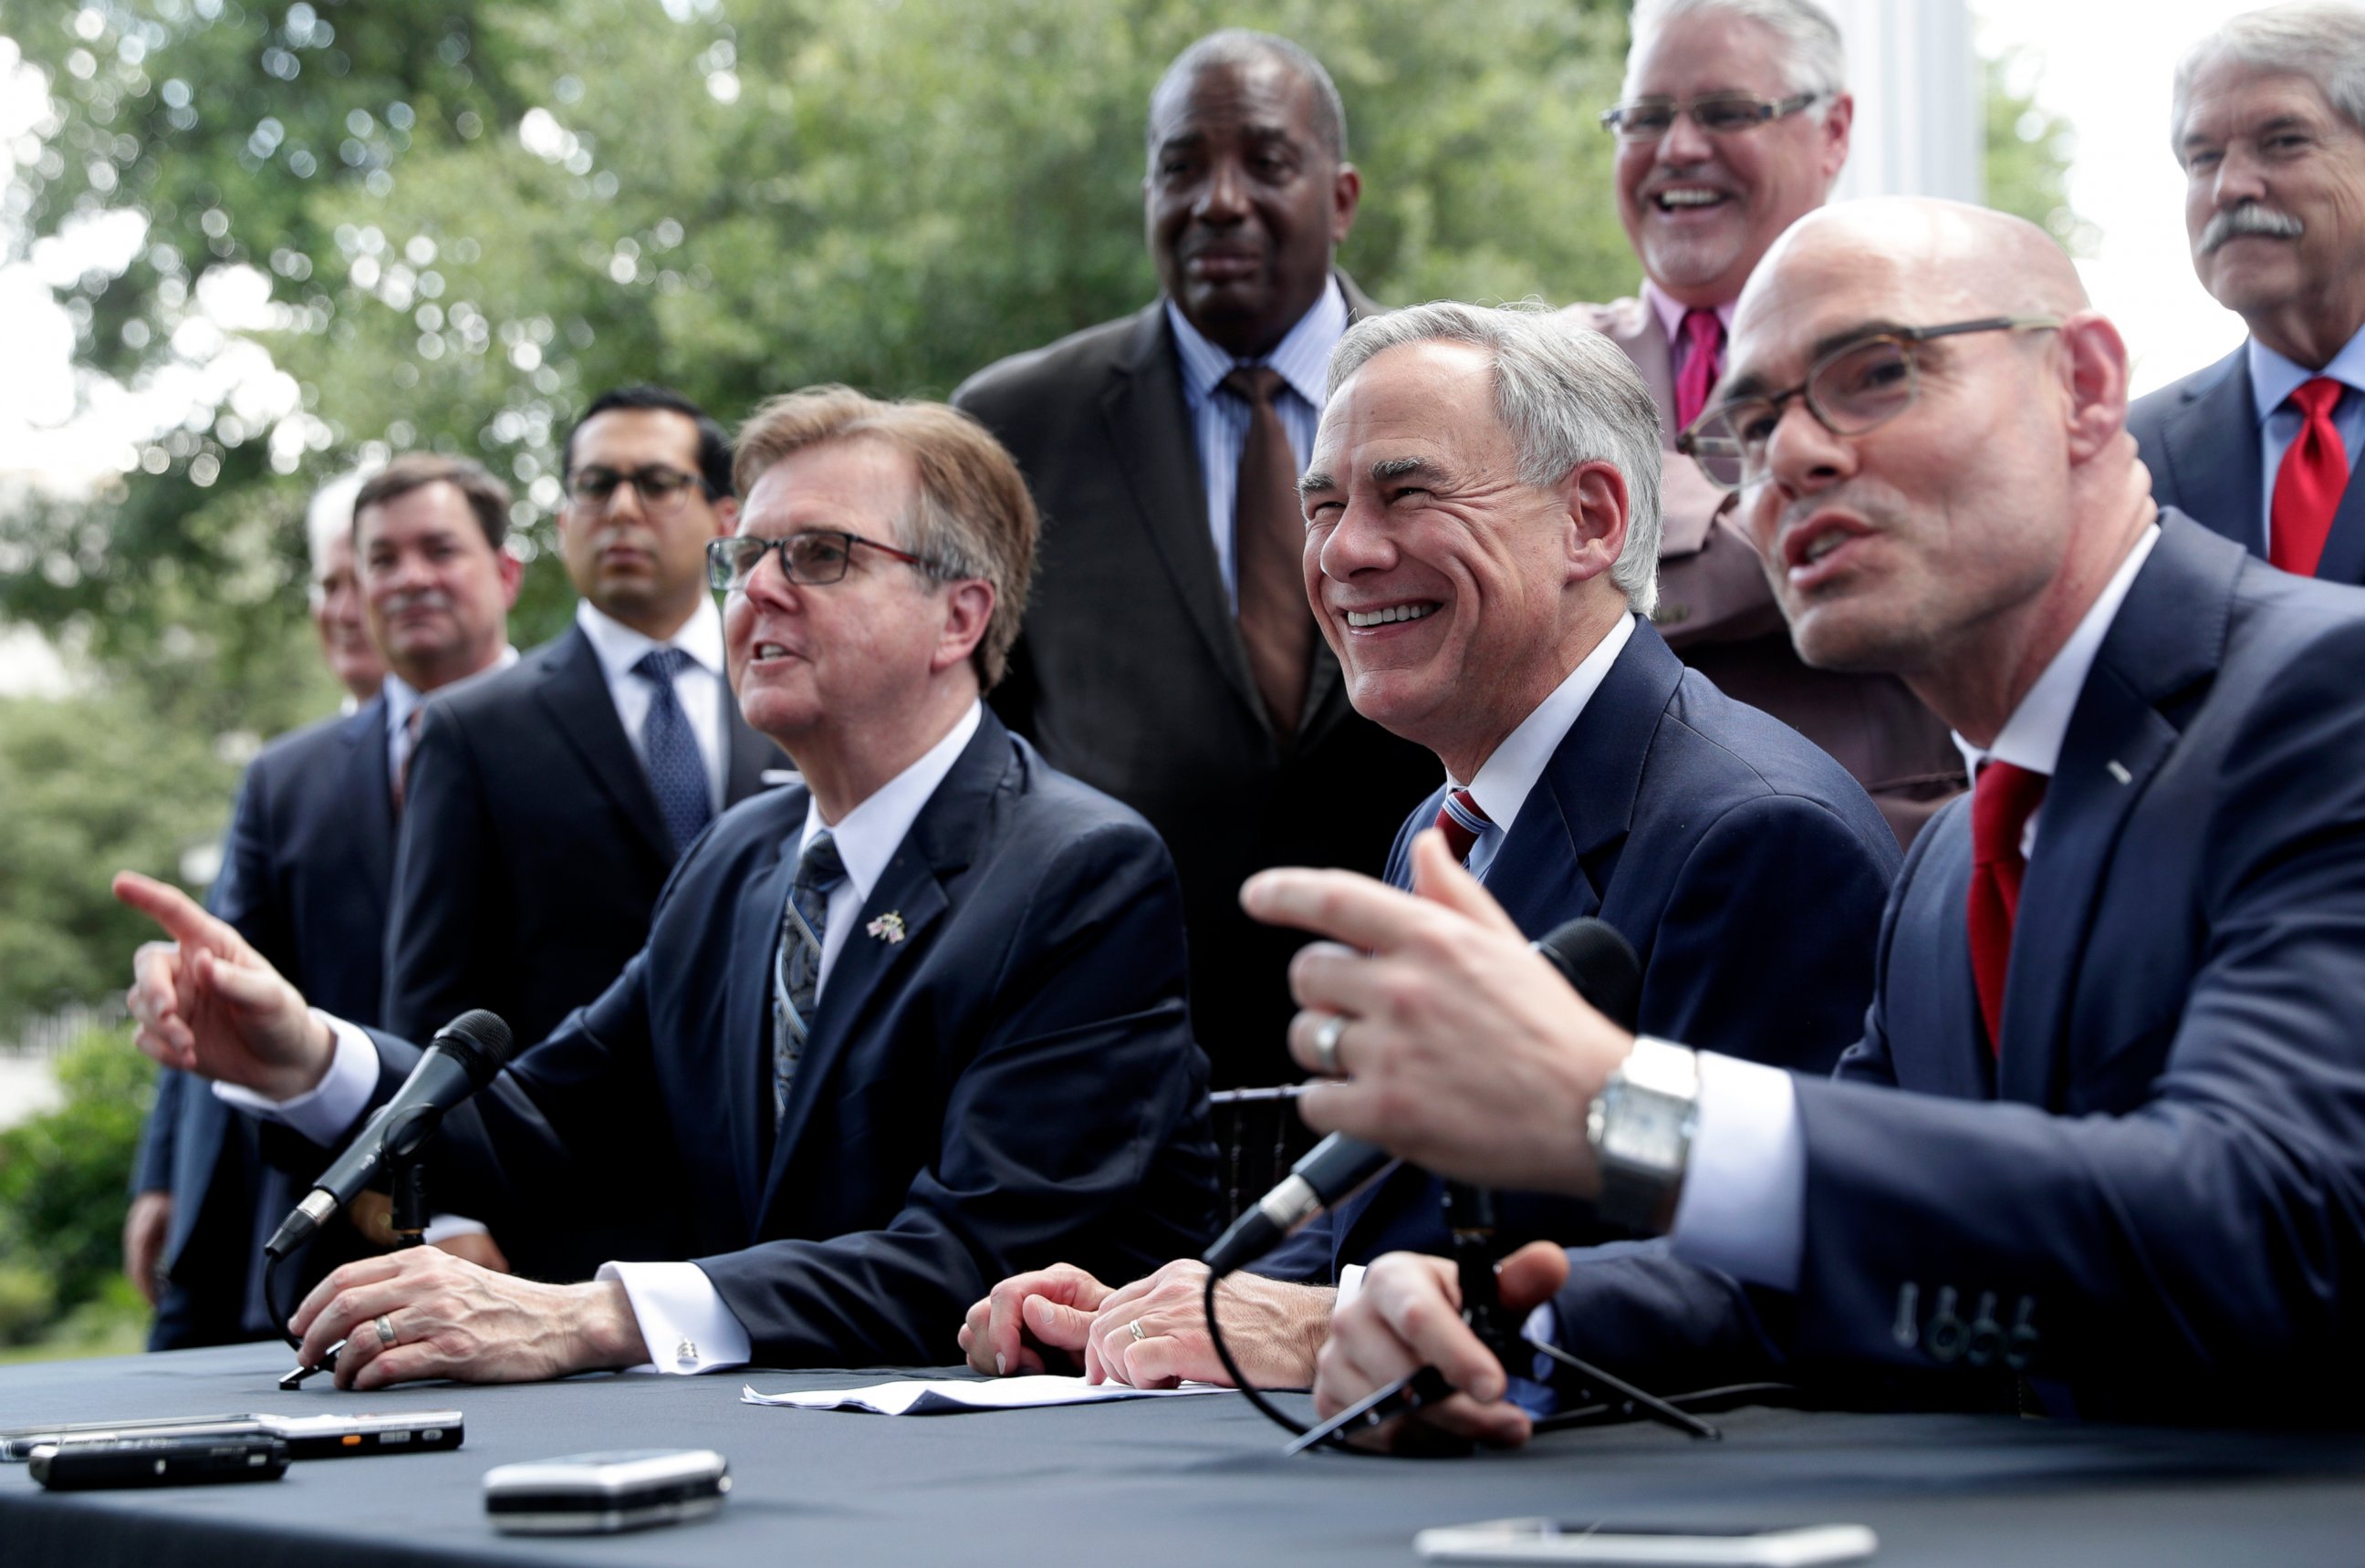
(2273, 379)
(403, 700)
(1743, 1206)
(699, 688)
(1219, 421)
(1510, 771)
(683, 1321)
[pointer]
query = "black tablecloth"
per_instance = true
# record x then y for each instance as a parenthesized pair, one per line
(1155, 1482)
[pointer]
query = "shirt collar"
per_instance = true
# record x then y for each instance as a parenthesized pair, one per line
(401, 697)
(1303, 356)
(618, 647)
(1671, 312)
(867, 836)
(2032, 737)
(1505, 777)
(2274, 378)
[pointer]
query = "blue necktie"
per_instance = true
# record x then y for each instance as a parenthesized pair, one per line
(669, 751)
(796, 963)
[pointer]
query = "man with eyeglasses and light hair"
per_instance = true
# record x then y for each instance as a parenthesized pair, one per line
(1733, 123)
(904, 1028)
(2101, 1148)
(2269, 125)
(545, 807)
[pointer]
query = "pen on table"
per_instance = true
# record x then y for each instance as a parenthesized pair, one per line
(1257, 1096)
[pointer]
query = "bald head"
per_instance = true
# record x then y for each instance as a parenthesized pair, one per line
(1958, 261)
(1958, 483)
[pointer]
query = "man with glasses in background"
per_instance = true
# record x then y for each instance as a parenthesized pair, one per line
(2101, 1149)
(545, 808)
(1734, 124)
(910, 1026)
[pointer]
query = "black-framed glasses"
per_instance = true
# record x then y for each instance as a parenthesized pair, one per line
(1855, 387)
(662, 488)
(1718, 114)
(816, 559)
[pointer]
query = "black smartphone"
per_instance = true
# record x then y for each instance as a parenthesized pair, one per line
(188, 1459)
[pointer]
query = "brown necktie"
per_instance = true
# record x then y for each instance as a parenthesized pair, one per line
(1267, 552)
(401, 790)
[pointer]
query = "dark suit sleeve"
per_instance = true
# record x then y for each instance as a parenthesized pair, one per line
(2203, 1244)
(450, 900)
(1868, 1061)
(1052, 1135)
(1766, 947)
(152, 1170)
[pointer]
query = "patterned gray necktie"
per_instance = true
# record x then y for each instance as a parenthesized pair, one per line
(796, 963)
(669, 751)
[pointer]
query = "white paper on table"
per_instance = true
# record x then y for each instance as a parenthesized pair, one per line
(915, 1396)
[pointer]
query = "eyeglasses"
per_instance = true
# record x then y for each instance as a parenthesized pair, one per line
(816, 559)
(1855, 387)
(662, 490)
(1718, 114)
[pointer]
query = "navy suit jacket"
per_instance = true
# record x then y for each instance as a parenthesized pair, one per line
(1012, 1082)
(2157, 1197)
(1746, 866)
(2200, 439)
(533, 849)
(303, 879)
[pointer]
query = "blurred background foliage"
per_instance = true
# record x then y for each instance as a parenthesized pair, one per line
(450, 222)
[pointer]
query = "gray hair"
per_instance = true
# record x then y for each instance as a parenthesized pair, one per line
(329, 515)
(2324, 43)
(1566, 394)
(1239, 46)
(1813, 57)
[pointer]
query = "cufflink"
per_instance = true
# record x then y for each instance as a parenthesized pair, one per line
(686, 1353)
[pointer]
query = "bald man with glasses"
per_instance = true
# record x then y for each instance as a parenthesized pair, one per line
(1734, 123)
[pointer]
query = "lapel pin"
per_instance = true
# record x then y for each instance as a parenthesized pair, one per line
(887, 928)
(2119, 771)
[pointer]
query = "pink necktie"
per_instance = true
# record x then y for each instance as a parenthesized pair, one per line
(1704, 346)
(2309, 483)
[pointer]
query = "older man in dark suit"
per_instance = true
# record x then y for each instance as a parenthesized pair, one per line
(307, 863)
(894, 1032)
(2102, 1144)
(547, 806)
(1481, 521)
(1168, 656)
(2261, 446)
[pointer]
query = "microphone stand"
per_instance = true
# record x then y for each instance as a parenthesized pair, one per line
(1470, 1216)
(407, 1177)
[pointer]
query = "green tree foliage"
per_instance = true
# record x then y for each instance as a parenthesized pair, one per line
(2027, 155)
(91, 785)
(61, 1185)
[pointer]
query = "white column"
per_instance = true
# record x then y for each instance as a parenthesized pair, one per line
(1920, 103)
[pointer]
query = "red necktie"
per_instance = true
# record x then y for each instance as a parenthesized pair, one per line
(1462, 822)
(2001, 803)
(1704, 344)
(2309, 483)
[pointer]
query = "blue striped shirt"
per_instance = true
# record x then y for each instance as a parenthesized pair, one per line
(1220, 419)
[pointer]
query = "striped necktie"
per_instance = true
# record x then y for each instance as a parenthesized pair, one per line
(796, 962)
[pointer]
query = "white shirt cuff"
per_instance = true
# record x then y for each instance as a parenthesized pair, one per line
(685, 1326)
(1351, 1285)
(442, 1227)
(1743, 1207)
(329, 1109)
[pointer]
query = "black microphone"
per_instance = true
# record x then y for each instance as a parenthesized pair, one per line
(461, 1060)
(1589, 954)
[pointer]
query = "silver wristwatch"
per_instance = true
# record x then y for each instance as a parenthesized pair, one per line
(1640, 1128)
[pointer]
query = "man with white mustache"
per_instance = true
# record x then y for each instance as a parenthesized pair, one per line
(1734, 124)
(2260, 445)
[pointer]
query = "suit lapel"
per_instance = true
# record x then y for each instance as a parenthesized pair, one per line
(2217, 479)
(368, 788)
(1652, 356)
(2343, 547)
(754, 932)
(1150, 439)
(574, 692)
(937, 846)
(2169, 633)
